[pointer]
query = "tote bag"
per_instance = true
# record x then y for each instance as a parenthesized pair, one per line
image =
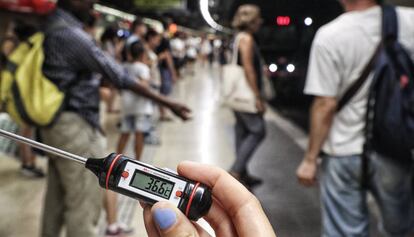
(236, 92)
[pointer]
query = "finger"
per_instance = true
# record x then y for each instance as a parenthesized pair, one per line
(224, 186)
(220, 221)
(236, 200)
(149, 223)
(170, 221)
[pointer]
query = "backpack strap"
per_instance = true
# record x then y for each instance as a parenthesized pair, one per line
(390, 24)
(389, 34)
(354, 88)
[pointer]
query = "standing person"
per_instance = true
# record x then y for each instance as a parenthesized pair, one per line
(71, 58)
(138, 31)
(250, 127)
(136, 110)
(136, 120)
(110, 44)
(205, 50)
(167, 70)
(24, 31)
(340, 51)
(153, 40)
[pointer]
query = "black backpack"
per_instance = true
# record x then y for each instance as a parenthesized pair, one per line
(390, 114)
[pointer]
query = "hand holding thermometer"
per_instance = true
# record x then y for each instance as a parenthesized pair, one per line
(137, 179)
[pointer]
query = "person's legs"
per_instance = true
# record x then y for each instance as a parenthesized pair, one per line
(343, 200)
(255, 133)
(392, 189)
(139, 144)
(52, 220)
(240, 134)
(122, 142)
(110, 201)
(81, 196)
(166, 89)
(27, 155)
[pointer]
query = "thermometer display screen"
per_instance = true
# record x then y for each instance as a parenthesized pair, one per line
(152, 184)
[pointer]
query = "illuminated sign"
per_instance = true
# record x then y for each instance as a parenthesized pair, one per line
(283, 20)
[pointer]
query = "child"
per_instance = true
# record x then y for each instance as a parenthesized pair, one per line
(136, 119)
(136, 110)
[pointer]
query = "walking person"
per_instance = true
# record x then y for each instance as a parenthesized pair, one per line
(72, 197)
(340, 52)
(250, 127)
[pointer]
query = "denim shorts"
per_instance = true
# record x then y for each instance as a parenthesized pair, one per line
(136, 123)
(344, 201)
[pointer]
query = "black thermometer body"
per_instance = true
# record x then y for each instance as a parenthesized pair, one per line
(150, 184)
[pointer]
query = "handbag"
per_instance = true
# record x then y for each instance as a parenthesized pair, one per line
(236, 92)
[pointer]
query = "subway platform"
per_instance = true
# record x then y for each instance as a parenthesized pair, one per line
(208, 138)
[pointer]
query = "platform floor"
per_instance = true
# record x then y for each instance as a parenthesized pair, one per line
(207, 138)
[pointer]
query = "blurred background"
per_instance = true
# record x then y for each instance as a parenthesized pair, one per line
(284, 41)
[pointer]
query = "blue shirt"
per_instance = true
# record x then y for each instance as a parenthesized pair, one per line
(71, 60)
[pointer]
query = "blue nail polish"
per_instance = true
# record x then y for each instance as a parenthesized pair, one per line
(165, 218)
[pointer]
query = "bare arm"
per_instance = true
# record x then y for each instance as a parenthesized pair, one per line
(246, 46)
(322, 114)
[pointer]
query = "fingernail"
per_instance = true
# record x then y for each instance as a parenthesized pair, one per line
(165, 218)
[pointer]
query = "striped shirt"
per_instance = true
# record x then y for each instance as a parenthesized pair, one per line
(72, 60)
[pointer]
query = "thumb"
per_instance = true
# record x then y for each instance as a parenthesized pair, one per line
(170, 221)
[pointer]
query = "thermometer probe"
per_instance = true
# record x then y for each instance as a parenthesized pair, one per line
(137, 180)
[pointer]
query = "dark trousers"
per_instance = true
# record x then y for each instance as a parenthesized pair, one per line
(250, 132)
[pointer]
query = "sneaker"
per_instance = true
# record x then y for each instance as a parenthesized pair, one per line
(32, 172)
(251, 181)
(125, 229)
(119, 231)
(113, 233)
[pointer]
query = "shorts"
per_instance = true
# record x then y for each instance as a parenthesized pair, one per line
(136, 123)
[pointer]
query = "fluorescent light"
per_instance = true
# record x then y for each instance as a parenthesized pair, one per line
(204, 5)
(308, 21)
(272, 67)
(290, 68)
(157, 25)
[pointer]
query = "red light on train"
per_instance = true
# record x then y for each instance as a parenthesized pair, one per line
(283, 20)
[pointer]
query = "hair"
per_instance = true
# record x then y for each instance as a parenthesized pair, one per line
(23, 30)
(245, 16)
(63, 3)
(110, 34)
(136, 23)
(151, 34)
(91, 20)
(380, 2)
(136, 50)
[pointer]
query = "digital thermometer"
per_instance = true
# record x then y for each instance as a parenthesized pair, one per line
(138, 180)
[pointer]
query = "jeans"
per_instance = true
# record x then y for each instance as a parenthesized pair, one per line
(344, 201)
(250, 132)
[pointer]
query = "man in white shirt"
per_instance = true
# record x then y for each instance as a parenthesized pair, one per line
(340, 52)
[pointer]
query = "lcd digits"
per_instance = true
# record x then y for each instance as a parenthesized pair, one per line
(151, 184)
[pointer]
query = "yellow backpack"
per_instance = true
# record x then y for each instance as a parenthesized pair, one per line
(25, 93)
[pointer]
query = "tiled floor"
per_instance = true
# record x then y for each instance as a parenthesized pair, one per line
(207, 138)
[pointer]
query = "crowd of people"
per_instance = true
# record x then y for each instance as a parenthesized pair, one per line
(142, 69)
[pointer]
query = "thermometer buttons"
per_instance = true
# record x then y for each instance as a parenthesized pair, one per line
(125, 174)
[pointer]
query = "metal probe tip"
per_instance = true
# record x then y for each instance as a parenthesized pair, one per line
(43, 147)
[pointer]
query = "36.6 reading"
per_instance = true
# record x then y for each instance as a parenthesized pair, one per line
(154, 186)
